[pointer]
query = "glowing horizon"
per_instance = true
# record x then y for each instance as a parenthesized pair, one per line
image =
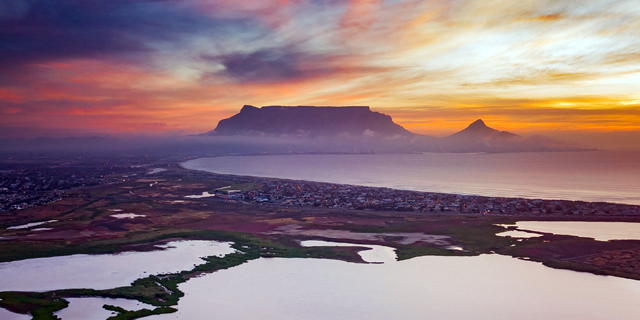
(178, 67)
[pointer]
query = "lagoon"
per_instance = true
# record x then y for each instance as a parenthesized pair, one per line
(91, 308)
(601, 231)
(105, 271)
(8, 315)
(29, 225)
(374, 253)
(490, 287)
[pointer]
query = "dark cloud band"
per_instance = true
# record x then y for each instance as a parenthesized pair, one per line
(45, 30)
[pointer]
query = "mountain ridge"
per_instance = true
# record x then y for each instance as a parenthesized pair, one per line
(373, 132)
(359, 128)
(479, 130)
(309, 121)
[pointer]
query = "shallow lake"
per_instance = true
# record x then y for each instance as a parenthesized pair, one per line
(105, 271)
(29, 225)
(375, 254)
(485, 287)
(518, 234)
(91, 308)
(601, 231)
(8, 315)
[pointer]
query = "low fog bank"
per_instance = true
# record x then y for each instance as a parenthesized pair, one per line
(617, 141)
(201, 145)
(193, 146)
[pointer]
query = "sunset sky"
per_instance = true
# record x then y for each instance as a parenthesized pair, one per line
(178, 67)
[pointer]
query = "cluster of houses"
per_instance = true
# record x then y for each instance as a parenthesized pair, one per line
(318, 194)
(37, 185)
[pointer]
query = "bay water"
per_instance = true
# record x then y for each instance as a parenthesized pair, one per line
(588, 176)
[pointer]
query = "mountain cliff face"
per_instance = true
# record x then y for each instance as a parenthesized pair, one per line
(303, 121)
(353, 129)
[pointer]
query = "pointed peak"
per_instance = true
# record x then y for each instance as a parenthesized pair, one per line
(478, 124)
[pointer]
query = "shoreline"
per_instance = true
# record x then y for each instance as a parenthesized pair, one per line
(544, 207)
(497, 188)
(274, 229)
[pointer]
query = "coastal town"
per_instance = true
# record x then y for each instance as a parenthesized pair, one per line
(351, 197)
(30, 186)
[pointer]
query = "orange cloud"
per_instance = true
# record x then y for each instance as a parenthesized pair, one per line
(547, 17)
(361, 15)
(435, 66)
(586, 114)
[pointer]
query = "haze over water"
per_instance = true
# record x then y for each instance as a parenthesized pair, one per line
(588, 176)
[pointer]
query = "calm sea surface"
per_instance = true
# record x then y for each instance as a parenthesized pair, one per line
(589, 176)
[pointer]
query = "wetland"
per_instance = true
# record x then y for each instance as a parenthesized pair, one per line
(427, 256)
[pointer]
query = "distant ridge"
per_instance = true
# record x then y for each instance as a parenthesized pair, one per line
(358, 129)
(291, 130)
(478, 130)
(308, 121)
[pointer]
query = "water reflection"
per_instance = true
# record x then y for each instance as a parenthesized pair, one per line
(91, 308)
(127, 215)
(204, 194)
(375, 254)
(483, 287)
(601, 231)
(518, 234)
(104, 271)
(29, 225)
(587, 176)
(8, 315)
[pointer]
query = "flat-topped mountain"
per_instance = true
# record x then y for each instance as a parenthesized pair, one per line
(357, 128)
(306, 121)
(302, 129)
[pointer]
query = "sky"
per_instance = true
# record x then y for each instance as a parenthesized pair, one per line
(169, 67)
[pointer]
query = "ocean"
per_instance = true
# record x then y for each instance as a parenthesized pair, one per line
(608, 176)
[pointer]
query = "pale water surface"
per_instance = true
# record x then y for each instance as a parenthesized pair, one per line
(105, 271)
(29, 225)
(588, 176)
(41, 229)
(518, 234)
(91, 308)
(8, 315)
(127, 215)
(375, 254)
(490, 287)
(601, 231)
(203, 195)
